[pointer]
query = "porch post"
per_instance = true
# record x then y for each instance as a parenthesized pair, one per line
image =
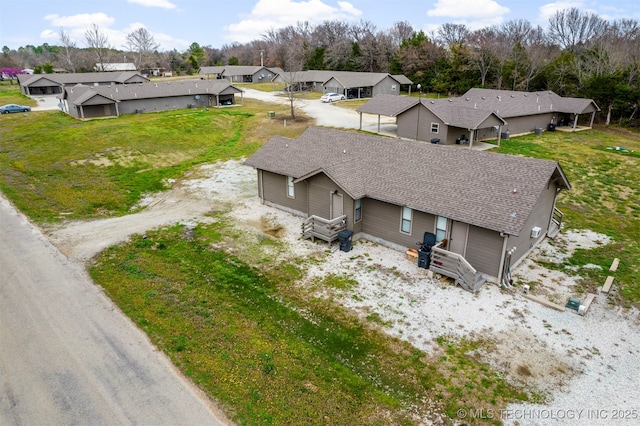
(593, 116)
(360, 114)
(378, 123)
(471, 135)
(499, 134)
(575, 121)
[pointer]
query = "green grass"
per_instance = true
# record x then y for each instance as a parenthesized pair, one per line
(10, 94)
(273, 355)
(603, 198)
(53, 166)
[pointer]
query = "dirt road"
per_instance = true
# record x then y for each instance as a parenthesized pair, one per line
(68, 355)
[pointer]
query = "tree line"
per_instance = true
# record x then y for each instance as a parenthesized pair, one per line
(578, 54)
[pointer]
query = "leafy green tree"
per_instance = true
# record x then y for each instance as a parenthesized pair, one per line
(196, 55)
(233, 60)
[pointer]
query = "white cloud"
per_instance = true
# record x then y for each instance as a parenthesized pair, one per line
(270, 14)
(164, 4)
(468, 9)
(81, 20)
(474, 14)
(549, 9)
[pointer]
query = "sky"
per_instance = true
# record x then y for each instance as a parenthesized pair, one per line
(176, 24)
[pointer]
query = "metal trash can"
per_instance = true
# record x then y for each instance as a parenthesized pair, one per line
(538, 131)
(345, 237)
(504, 135)
(435, 140)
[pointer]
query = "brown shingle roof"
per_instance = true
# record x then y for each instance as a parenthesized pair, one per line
(465, 185)
(78, 94)
(83, 78)
(452, 114)
(508, 103)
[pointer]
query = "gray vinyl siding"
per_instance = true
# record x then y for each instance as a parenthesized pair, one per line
(484, 250)
(528, 124)
(541, 216)
(412, 124)
(274, 188)
(388, 86)
(382, 220)
(131, 106)
(320, 189)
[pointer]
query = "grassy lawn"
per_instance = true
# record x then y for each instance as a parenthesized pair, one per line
(604, 198)
(240, 326)
(53, 166)
(275, 354)
(10, 94)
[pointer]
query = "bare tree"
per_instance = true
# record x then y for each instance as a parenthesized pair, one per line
(574, 30)
(68, 50)
(482, 43)
(452, 34)
(141, 42)
(98, 42)
(400, 31)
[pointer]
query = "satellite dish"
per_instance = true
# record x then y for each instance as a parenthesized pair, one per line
(197, 96)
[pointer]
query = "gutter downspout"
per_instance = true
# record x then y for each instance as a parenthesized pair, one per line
(260, 186)
(502, 256)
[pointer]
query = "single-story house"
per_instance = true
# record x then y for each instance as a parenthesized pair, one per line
(435, 120)
(487, 210)
(53, 84)
(241, 73)
(456, 119)
(351, 84)
(525, 112)
(112, 101)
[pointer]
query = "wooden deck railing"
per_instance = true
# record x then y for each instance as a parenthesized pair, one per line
(325, 229)
(556, 223)
(455, 266)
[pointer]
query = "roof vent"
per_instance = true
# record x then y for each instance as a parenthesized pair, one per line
(450, 100)
(484, 97)
(499, 98)
(514, 214)
(344, 151)
(515, 190)
(431, 102)
(466, 99)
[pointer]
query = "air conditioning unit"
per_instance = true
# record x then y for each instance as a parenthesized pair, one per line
(535, 232)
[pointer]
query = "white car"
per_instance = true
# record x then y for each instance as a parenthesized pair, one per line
(330, 97)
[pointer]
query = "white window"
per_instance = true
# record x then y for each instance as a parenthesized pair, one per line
(407, 215)
(441, 228)
(358, 210)
(435, 127)
(290, 188)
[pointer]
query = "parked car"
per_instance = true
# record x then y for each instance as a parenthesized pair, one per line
(331, 97)
(6, 109)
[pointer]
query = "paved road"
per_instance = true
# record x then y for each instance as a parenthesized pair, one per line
(68, 355)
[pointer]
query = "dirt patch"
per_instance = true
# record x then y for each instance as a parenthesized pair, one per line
(270, 226)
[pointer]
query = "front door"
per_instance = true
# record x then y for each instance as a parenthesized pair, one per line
(337, 207)
(458, 237)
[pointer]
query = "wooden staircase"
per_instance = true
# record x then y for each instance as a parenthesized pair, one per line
(324, 229)
(455, 266)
